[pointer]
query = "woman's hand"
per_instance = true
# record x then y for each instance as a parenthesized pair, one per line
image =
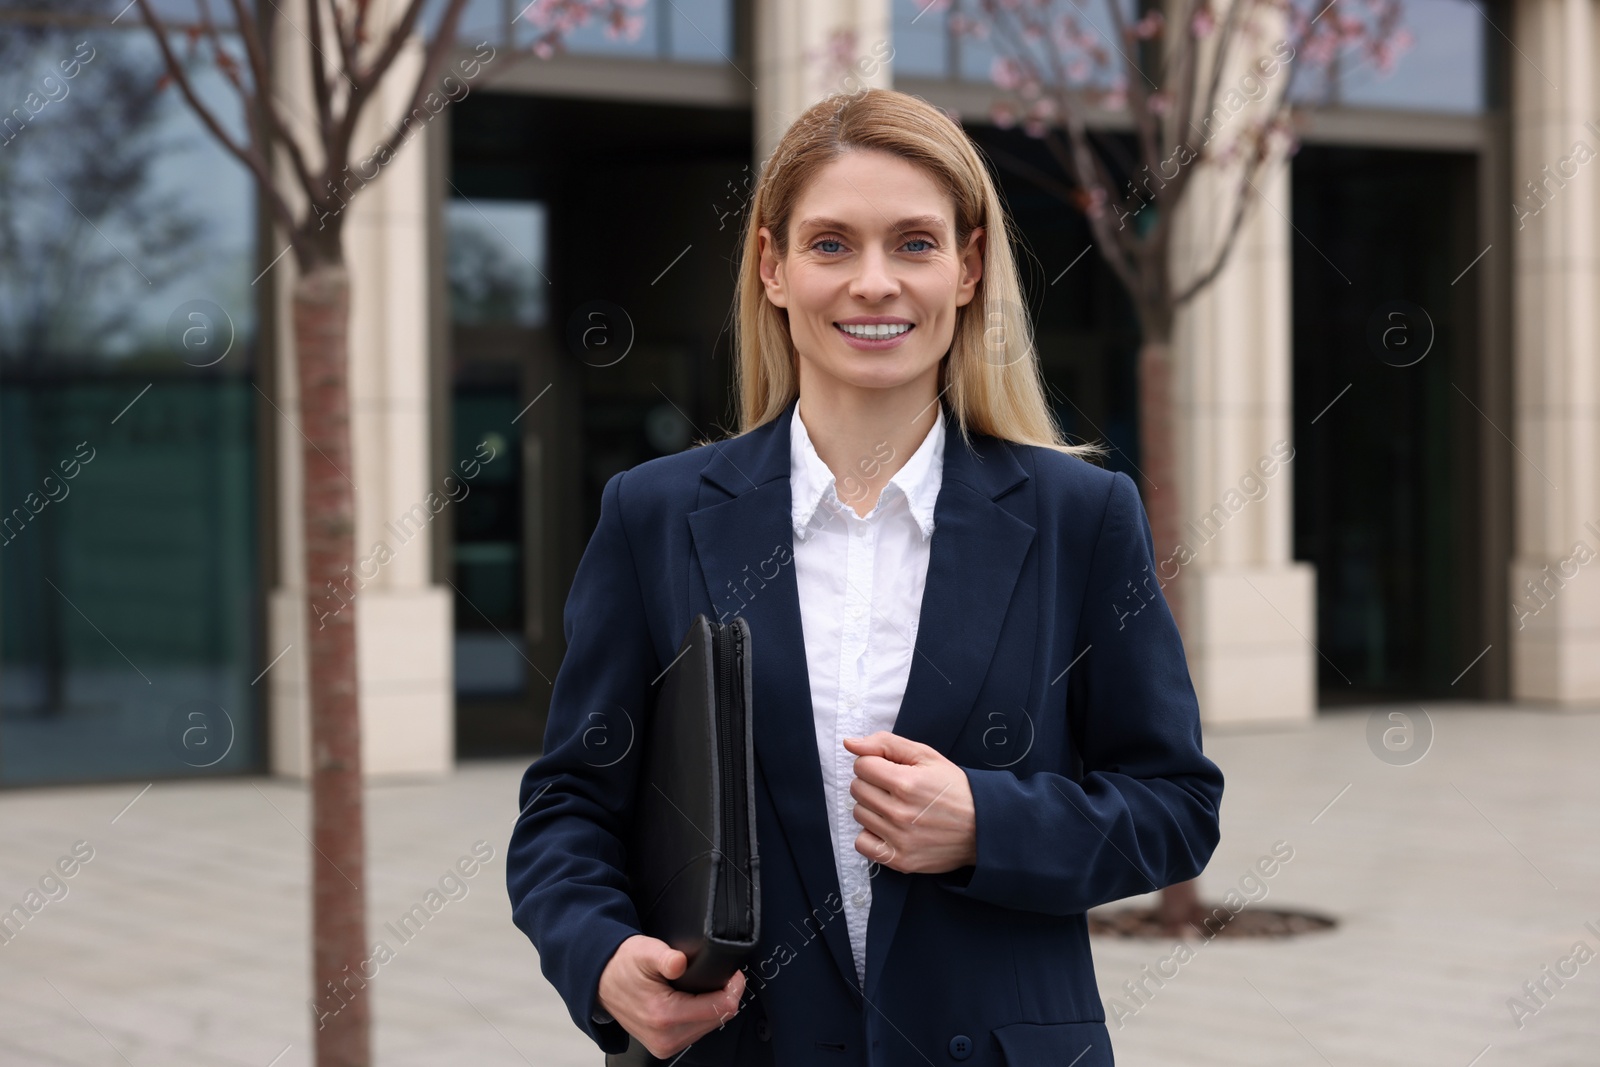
(634, 990)
(915, 806)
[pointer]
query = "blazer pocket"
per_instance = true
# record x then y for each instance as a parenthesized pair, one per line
(1085, 1044)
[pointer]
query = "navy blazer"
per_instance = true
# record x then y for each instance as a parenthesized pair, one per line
(1047, 666)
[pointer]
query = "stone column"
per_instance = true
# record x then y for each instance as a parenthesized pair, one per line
(792, 37)
(1249, 609)
(1555, 175)
(404, 621)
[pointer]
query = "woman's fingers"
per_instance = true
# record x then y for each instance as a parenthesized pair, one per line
(636, 989)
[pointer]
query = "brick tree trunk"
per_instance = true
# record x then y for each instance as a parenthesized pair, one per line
(1180, 903)
(338, 908)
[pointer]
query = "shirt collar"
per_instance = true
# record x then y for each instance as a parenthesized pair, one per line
(812, 483)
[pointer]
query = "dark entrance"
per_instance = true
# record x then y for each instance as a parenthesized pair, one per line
(1388, 419)
(592, 255)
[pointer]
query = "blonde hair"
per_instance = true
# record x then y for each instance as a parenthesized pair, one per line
(990, 377)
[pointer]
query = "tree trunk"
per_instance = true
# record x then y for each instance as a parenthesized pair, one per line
(340, 999)
(1180, 903)
(1158, 466)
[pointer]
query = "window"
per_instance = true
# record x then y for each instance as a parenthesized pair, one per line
(685, 31)
(129, 591)
(1441, 68)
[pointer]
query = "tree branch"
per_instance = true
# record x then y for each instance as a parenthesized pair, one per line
(349, 44)
(1184, 54)
(1241, 203)
(1113, 247)
(1059, 190)
(1220, 54)
(396, 39)
(432, 61)
(250, 157)
(261, 72)
(321, 89)
(1142, 118)
(1280, 105)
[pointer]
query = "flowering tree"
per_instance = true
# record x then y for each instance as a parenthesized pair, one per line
(351, 48)
(555, 19)
(1206, 85)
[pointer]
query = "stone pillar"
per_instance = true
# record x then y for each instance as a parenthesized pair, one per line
(1555, 174)
(794, 40)
(404, 621)
(1249, 607)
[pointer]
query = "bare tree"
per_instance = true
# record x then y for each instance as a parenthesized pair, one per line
(1207, 90)
(351, 49)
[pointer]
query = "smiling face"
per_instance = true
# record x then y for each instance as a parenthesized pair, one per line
(872, 278)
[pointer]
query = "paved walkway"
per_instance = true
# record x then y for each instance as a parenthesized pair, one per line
(1456, 879)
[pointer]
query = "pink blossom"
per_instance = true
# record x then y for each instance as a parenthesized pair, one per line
(1147, 27)
(1319, 50)
(1115, 98)
(624, 25)
(1068, 37)
(1006, 73)
(978, 29)
(1203, 23)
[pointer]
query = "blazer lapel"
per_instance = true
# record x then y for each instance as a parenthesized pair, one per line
(744, 546)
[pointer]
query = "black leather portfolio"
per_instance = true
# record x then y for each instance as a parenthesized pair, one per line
(693, 871)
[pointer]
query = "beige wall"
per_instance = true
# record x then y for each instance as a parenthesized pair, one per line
(1249, 608)
(1554, 593)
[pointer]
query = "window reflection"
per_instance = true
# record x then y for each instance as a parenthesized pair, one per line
(1442, 69)
(683, 30)
(496, 262)
(129, 604)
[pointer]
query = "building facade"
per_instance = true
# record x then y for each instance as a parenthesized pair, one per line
(542, 291)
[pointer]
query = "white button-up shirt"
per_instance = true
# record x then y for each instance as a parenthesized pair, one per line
(860, 582)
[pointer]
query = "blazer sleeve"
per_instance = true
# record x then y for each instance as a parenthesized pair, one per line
(566, 863)
(1144, 813)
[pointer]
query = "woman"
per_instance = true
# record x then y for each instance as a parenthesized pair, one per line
(967, 730)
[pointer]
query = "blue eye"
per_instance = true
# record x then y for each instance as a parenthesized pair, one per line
(910, 241)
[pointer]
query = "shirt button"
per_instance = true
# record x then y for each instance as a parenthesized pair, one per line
(856, 610)
(852, 700)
